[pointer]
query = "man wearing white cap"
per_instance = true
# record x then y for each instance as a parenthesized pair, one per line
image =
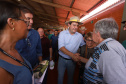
(68, 44)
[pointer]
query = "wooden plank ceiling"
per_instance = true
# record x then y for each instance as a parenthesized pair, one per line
(52, 14)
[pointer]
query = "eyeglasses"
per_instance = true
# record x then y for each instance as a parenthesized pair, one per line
(89, 40)
(26, 21)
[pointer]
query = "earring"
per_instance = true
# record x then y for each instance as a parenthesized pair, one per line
(13, 29)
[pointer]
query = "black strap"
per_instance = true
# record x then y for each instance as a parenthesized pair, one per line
(15, 59)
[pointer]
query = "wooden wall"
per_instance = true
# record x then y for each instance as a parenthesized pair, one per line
(115, 13)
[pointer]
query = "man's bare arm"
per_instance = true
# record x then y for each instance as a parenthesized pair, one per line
(50, 50)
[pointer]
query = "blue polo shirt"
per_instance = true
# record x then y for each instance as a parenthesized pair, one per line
(70, 42)
(30, 48)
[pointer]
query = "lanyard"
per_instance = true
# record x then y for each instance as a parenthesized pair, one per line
(15, 59)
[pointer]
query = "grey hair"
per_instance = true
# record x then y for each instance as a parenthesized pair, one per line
(108, 28)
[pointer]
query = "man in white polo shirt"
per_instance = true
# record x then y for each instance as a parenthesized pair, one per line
(68, 44)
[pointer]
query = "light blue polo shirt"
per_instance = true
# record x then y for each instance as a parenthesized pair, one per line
(70, 42)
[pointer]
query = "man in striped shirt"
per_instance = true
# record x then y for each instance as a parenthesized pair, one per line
(108, 63)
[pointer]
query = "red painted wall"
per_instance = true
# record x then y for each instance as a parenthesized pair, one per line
(115, 13)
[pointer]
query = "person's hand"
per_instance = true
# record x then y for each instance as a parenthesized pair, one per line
(79, 58)
(75, 57)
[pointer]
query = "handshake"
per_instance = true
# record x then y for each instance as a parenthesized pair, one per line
(76, 57)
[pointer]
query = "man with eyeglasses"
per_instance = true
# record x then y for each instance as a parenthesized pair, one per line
(30, 48)
(68, 44)
(86, 51)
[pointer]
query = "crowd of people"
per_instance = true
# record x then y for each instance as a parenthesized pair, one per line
(100, 57)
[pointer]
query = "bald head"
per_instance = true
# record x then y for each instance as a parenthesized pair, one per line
(41, 32)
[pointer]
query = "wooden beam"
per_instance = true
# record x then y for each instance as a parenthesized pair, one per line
(36, 10)
(14, 1)
(27, 4)
(36, 13)
(51, 15)
(70, 7)
(42, 8)
(52, 20)
(60, 6)
(21, 2)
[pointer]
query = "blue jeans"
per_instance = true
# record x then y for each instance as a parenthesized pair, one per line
(64, 64)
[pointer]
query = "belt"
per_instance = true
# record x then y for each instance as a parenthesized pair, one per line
(64, 58)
